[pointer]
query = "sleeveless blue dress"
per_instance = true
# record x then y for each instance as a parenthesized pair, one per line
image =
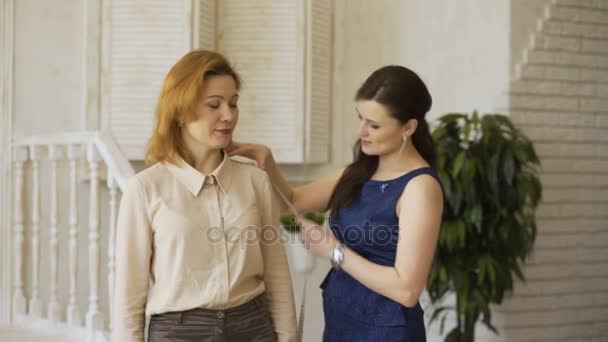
(370, 227)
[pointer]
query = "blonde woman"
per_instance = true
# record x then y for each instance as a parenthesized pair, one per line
(197, 243)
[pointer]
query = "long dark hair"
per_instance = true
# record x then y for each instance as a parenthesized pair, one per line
(406, 97)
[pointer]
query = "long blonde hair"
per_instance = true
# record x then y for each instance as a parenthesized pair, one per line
(177, 102)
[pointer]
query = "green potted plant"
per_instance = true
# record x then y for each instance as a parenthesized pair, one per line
(302, 260)
(489, 171)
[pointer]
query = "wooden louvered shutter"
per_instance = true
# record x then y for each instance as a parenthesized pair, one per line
(261, 39)
(146, 37)
(207, 19)
(319, 74)
(282, 49)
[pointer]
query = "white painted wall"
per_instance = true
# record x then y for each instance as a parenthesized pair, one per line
(6, 41)
(461, 49)
(49, 62)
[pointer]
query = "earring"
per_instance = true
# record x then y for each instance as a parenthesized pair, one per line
(180, 123)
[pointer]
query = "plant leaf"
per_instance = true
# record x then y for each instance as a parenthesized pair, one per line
(508, 166)
(453, 336)
(458, 162)
(437, 312)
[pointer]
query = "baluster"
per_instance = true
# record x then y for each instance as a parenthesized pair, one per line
(35, 307)
(19, 302)
(111, 242)
(94, 317)
(54, 310)
(73, 312)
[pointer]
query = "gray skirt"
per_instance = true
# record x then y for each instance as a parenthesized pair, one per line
(249, 322)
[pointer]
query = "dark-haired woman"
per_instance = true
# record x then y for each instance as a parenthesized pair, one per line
(385, 216)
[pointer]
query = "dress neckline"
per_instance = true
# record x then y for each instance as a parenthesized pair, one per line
(400, 177)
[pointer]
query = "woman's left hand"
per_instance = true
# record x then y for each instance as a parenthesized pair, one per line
(318, 240)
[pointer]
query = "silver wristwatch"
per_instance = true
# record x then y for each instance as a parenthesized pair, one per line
(337, 256)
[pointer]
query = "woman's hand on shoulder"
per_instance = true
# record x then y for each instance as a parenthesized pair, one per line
(261, 154)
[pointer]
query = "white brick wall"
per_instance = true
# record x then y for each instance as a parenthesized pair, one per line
(566, 58)
(559, 43)
(586, 14)
(572, 180)
(557, 134)
(553, 73)
(553, 195)
(552, 118)
(572, 210)
(559, 97)
(535, 102)
(563, 150)
(592, 4)
(571, 29)
(557, 254)
(595, 76)
(599, 46)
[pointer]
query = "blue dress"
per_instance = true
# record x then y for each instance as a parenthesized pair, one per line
(370, 227)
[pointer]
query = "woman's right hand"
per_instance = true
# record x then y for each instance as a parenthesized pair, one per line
(261, 154)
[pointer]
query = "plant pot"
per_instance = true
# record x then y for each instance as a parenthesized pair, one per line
(301, 260)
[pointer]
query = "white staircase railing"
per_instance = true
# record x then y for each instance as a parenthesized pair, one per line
(52, 285)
